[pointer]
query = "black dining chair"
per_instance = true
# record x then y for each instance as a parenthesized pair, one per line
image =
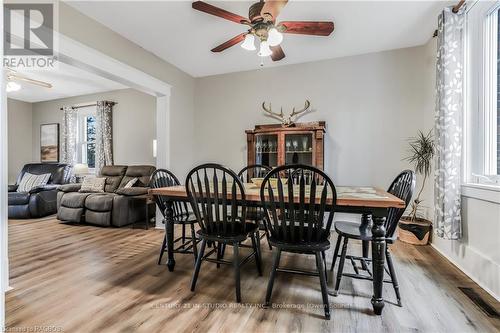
(255, 213)
(299, 223)
(402, 187)
(217, 197)
(181, 216)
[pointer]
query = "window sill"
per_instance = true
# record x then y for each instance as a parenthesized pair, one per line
(490, 193)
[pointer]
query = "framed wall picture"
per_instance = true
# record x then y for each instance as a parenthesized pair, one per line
(49, 143)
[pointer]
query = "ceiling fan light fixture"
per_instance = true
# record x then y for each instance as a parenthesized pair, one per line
(12, 86)
(274, 37)
(264, 51)
(249, 43)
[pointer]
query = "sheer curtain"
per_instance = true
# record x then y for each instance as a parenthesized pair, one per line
(69, 128)
(104, 134)
(448, 123)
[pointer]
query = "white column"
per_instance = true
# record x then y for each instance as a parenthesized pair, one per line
(163, 131)
(4, 259)
(162, 140)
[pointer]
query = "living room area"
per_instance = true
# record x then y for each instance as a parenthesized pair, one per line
(265, 166)
(97, 122)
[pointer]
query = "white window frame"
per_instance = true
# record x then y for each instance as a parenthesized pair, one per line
(480, 122)
(81, 123)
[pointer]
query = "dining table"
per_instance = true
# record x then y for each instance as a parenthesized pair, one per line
(371, 202)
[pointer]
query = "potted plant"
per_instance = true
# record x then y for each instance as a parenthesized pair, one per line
(415, 228)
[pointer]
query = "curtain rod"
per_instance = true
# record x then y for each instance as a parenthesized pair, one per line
(459, 5)
(87, 105)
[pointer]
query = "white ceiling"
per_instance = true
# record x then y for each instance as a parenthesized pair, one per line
(67, 81)
(182, 36)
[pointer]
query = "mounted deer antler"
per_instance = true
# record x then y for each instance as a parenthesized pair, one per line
(286, 121)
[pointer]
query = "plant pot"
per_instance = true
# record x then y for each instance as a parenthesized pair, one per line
(415, 232)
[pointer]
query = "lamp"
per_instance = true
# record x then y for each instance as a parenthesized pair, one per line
(80, 170)
(264, 51)
(274, 37)
(12, 86)
(249, 42)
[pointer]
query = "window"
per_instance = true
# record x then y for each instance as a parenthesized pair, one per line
(86, 134)
(482, 118)
(497, 93)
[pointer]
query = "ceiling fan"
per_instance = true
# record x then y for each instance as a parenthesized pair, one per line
(262, 22)
(13, 76)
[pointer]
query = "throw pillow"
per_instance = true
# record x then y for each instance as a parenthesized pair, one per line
(30, 181)
(131, 183)
(93, 185)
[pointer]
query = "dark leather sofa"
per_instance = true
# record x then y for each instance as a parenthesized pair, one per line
(116, 206)
(40, 201)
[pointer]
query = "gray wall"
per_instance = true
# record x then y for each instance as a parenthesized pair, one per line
(134, 123)
(20, 128)
(371, 104)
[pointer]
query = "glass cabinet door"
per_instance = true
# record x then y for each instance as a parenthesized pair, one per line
(299, 148)
(266, 149)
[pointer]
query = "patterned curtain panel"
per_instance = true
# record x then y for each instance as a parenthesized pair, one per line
(68, 147)
(104, 135)
(448, 123)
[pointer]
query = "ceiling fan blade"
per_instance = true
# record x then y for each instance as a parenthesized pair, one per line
(278, 53)
(216, 11)
(273, 8)
(233, 41)
(16, 77)
(307, 27)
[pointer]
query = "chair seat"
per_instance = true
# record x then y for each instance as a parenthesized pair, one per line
(356, 231)
(237, 234)
(300, 244)
(18, 198)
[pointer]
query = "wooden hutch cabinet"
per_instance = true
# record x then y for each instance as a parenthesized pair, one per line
(274, 145)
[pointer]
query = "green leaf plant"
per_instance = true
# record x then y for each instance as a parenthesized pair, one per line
(420, 154)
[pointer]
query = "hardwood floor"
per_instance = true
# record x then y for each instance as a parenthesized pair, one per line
(77, 278)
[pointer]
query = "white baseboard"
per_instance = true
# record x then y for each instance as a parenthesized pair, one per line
(466, 272)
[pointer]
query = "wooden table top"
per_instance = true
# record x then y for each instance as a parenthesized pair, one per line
(355, 196)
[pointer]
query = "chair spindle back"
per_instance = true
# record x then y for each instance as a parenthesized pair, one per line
(217, 197)
(305, 216)
(165, 178)
(402, 187)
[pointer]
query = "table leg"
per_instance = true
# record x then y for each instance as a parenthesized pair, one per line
(378, 258)
(147, 215)
(366, 220)
(169, 230)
